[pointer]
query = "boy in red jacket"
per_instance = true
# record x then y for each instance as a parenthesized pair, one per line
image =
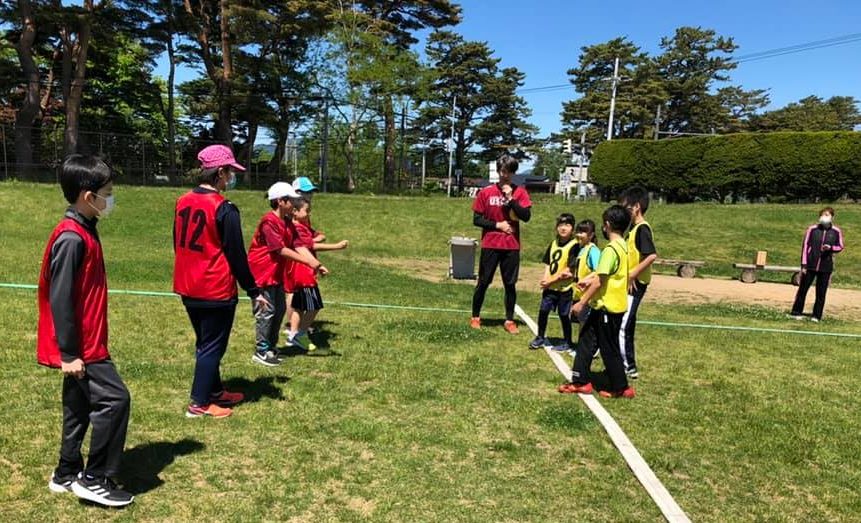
(73, 336)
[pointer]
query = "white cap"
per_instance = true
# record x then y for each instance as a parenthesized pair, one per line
(281, 190)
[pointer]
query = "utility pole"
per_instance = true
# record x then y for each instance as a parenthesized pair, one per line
(295, 146)
(613, 100)
(658, 122)
(424, 155)
(451, 143)
(324, 156)
(580, 164)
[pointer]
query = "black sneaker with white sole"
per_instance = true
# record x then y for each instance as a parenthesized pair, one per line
(269, 358)
(61, 484)
(102, 491)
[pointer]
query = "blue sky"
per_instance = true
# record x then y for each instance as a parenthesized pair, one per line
(543, 39)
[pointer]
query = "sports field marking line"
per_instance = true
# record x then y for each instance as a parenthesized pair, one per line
(162, 294)
(661, 496)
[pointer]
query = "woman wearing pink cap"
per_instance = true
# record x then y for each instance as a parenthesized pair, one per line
(210, 259)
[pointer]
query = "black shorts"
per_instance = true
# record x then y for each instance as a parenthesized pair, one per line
(307, 299)
(508, 262)
(557, 300)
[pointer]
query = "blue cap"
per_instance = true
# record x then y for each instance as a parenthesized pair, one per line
(304, 184)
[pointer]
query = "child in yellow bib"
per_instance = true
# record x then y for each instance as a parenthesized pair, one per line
(557, 284)
(641, 255)
(587, 262)
(607, 293)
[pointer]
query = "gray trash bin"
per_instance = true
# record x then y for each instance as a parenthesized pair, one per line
(461, 265)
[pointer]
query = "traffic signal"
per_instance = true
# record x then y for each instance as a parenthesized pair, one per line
(568, 146)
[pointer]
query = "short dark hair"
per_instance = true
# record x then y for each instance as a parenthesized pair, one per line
(274, 203)
(207, 175)
(636, 194)
(618, 217)
(84, 173)
(565, 217)
(300, 202)
(587, 226)
(829, 210)
(506, 163)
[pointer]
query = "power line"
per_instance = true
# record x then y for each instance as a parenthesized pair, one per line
(751, 57)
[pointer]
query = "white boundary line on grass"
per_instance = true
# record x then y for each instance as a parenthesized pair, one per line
(162, 294)
(661, 496)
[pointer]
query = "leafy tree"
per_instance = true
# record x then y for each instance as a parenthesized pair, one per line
(395, 22)
(489, 113)
(740, 107)
(550, 161)
(838, 113)
(692, 60)
(638, 93)
(505, 128)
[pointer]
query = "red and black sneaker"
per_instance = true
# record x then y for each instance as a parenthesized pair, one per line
(627, 393)
(225, 398)
(575, 388)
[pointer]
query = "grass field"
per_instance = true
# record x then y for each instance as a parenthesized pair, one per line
(418, 418)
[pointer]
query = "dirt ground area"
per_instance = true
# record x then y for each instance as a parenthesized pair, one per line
(841, 303)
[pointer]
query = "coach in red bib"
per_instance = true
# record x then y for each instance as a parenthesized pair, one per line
(498, 210)
(210, 259)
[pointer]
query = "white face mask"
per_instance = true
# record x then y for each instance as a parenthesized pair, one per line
(825, 220)
(109, 205)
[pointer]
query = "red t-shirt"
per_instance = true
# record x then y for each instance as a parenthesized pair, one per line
(264, 255)
(303, 275)
(488, 203)
(290, 243)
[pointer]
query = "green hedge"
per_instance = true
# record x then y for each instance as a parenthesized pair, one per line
(776, 166)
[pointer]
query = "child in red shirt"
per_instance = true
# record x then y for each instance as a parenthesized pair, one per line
(307, 300)
(271, 247)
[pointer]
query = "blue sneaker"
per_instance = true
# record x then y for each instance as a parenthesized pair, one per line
(562, 347)
(537, 342)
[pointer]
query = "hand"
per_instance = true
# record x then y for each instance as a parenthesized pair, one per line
(506, 191)
(74, 368)
(577, 308)
(262, 302)
(504, 227)
(825, 247)
(566, 274)
(632, 286)
(343, 244)
(803, 271)
(543, 283)
(322, 270)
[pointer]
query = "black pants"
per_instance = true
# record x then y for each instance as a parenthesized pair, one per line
(212, 327)
(601, 329)
(560, 301)
(629, 326)
(102, 400)
(508, 262)
(823, 279)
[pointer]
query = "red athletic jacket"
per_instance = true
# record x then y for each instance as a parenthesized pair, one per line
(90, 298)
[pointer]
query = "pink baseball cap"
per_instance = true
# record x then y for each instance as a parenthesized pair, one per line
(214, 156)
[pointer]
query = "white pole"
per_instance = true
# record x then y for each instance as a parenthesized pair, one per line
(451, 144)
(613, 100)
(580, 164)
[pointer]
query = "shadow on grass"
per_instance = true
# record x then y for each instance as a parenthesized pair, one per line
(145, 462)
(262, 387)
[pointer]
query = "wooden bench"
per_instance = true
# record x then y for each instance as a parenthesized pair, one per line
(684, 268)
(749, 270)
